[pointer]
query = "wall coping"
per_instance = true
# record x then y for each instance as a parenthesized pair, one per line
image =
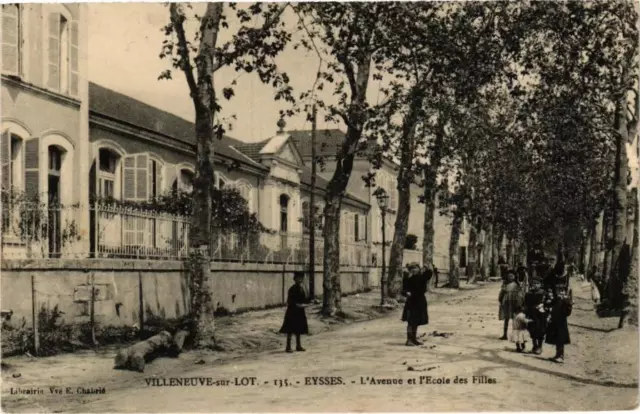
(124, 265)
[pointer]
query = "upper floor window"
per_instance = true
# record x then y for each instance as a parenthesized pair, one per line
(11, 39)
(62, 54)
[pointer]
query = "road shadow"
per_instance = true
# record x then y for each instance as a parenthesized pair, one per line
(592, 328)
(493, 357)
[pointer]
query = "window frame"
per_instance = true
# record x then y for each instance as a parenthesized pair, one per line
(20, 56)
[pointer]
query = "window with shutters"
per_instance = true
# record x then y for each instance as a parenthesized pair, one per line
(107, 168)
(155, 179)
(11, 39)
(62, 52)
(135, 177)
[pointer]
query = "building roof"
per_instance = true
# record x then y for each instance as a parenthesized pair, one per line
(252, 150)
(123, 108)
(327, 142)
(126, 109)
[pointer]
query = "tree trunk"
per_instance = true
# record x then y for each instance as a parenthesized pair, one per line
(630, 288)
(429, 212)
(405, 178)
(472, 263)
(135, 356)
(202, 93)
(430, 188)
(454, 247)
(487, 253)
(619, 200)
(331, 297)
(593, 246)
(495, 253)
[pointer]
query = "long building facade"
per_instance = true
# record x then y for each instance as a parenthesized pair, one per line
(67, 142)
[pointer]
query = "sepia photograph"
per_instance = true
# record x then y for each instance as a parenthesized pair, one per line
(360, 206)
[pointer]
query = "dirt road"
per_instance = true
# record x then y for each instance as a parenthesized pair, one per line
(372, 370)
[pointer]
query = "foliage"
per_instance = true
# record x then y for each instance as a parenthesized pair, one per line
(230, 211)
(32, 220)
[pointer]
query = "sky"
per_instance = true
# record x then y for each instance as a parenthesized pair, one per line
(124, 45)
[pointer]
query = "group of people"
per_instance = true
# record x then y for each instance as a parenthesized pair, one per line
(541, 313)
(414, 287)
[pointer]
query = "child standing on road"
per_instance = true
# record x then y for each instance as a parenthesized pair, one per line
(295, 319)
(558, 328)
(534, 309)
(510, 298)
(519, 330)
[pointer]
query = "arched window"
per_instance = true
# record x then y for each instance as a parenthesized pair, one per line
(108, 162)
(306, 222)
(284, 212)
(185, 180)
(12, 163)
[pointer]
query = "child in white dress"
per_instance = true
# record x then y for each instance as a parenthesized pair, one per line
(519, 332)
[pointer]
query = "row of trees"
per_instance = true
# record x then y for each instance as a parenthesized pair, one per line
(509, 113)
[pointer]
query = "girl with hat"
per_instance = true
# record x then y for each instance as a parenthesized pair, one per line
(510, 298)
(415, 312)
(534, 310)
(558, 328)
(295, 319)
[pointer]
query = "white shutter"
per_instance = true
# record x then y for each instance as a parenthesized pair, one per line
(129, 178)
(362, 228)
(73, 60)
(53, 47)
(142, 179)
(172, 174)
(11, 39)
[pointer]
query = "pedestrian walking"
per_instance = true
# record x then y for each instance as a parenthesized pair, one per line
(519, 329)
(535, 312)
(558, 328)
(510, 298)
(415, 312)
(295, 319)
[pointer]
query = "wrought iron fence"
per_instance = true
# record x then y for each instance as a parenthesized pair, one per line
(137, 234)
(40, 230)
(52, 231)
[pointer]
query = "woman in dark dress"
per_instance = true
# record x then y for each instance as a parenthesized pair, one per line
(558, 328)
(534, 309)
(415, 313)
(295, 319)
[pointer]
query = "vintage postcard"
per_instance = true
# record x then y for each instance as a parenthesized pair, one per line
(319, 207)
